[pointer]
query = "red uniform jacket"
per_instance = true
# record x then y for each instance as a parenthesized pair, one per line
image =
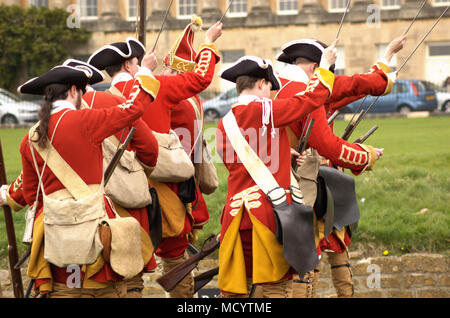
(274, 152)
(173, 90)
(143, 143)
(78, 140)
(185, 123)
(248, 117)
(355, 157)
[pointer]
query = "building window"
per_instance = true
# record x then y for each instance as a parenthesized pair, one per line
(337, 5)
(381, 48)
(132, 9)
(186, 8)
(39, 3)
(229, 57)
(287, 6)
(438, 49)
(391, 4)
(441, 2)
(88, 9)
(238, 8)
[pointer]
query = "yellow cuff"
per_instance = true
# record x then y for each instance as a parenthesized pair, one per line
(372, 156)
(149, 84)
(12, 204)
(210, 46)
(390, 84)
(326, 77)
(385, 68)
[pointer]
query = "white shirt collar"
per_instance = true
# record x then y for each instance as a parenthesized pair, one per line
(121, 77)
(60, 105)
(247, 99)
(295, 73)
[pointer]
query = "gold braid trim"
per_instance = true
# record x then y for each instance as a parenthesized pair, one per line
(210, 46)
(353, 156)
(372, 156)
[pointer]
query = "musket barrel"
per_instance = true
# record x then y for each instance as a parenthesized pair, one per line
(13, 256)
(366, 136)
(423, 39)
(116, 158)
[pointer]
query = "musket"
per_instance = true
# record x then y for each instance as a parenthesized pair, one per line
(349, 129)
(407, 59)
(343, 18)
(333, 117)
(361, 139)
(117, 155)
(172, 278)
(162, 24)
(23, 259)
(351, 125)
(142, 20)
(13, 255)
(303, 141)
(204, 278)
(228, 8)
(423, 39)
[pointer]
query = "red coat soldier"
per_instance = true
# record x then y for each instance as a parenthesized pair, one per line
(78, 138)
(177, 216)
(303, 57)
(250, 251)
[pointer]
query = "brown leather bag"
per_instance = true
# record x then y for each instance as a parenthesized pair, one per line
(105, 238)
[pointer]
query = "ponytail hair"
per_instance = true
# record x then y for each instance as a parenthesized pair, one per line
(52, 93)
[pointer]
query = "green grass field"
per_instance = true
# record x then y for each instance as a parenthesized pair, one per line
(413, 176)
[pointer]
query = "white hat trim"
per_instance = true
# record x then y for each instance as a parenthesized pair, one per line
(111, 47)
(303, 41)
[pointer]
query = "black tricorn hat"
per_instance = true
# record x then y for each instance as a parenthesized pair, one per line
(307, 48)
(61, 74)
(252, 66)
(97, 75)
(116, 53)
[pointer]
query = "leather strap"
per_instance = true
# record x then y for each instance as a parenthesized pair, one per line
(62, 170)
(252, 163)
(338, 266)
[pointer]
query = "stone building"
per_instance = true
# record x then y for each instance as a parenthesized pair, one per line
(261, 27)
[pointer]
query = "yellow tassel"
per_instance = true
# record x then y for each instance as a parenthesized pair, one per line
(196, 23)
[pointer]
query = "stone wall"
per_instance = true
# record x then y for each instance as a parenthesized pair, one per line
(406, 276)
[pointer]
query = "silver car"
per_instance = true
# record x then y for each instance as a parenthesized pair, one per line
(220, 105)
(13, 110)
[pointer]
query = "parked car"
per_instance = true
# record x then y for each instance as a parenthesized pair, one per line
(101, 87)
(220, 105)
(443, 99)
(14, 110)
(443, 96)
(406, 96)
